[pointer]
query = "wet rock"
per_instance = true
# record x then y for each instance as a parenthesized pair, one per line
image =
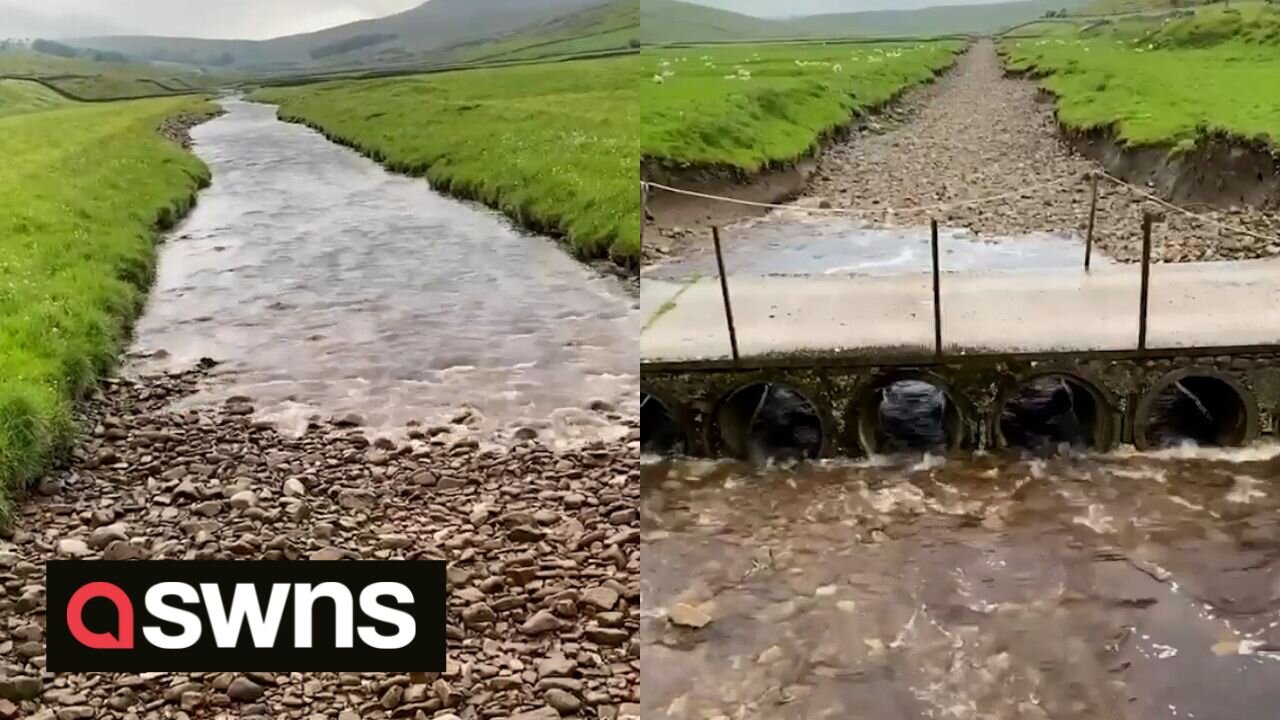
(690, 616)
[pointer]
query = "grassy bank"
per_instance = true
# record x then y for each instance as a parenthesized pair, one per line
(1167, 82)
(747, 106)
(553, 146)
(81, 191)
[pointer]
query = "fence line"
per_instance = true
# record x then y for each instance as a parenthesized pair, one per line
(858, 211)
(646, 185)
(1204, 218)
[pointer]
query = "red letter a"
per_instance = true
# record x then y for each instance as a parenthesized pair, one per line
(123, 639)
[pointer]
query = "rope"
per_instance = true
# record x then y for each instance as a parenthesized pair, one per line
(1205, 218)
(646, 185)
(857, 211)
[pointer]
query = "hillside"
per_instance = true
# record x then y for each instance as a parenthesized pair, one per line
(91, 80)
(613, 26)
(421, 33)
(666, 21)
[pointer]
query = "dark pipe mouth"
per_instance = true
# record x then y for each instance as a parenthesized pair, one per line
(908, 416)
(769, 421)
(660, 432)
(1200, 409)
(1053, 410)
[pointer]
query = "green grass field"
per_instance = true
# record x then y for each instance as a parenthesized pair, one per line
(82, 189)
(24, 96)
(747, 106)
(554, 146)
(89, 80)
(1165, 82)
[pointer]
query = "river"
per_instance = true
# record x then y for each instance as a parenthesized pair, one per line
(326, 285)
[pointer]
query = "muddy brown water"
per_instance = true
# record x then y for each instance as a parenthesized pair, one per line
(327, 285)
(994, 586)
(1119, 586)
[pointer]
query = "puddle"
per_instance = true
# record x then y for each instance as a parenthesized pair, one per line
(784, 245)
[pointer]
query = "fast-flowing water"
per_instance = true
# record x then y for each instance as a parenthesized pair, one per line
(1121, 586)
(327, 285)
(993, 586)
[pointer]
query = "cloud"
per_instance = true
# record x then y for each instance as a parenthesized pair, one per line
(241, 19)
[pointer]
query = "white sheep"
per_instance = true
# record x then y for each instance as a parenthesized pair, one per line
(659, 79)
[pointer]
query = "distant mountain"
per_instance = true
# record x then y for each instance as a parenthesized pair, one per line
(432, 26)
(676, 21)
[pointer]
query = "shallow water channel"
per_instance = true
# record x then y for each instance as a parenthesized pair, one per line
(326, 285)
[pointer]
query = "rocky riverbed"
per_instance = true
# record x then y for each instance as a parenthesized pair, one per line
(977, 133)
(542, 546)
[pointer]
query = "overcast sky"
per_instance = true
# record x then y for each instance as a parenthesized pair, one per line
(791, 8)
(249, 19)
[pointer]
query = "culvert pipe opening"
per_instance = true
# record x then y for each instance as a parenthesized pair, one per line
(911, 416)
(1050, 411)
(660, 432)
(768, 421)
(1200, 409)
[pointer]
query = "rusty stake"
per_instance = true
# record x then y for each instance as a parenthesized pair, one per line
(1093, 213)
(1146, 281)
(937, 292)
(724, 291)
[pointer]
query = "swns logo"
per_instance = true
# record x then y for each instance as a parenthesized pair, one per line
(214, 616)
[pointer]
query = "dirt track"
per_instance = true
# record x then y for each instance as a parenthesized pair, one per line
(977, 133)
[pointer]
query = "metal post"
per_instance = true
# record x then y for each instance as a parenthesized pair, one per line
(1146, 281)
(937, 292)
(724, 291)
(1093, 213)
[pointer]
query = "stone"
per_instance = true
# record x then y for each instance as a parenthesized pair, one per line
(244, 499)
(563, 701)
(73, 547)
(690, 616)
(107, 534)
(601, 597)
(20, 688)
(244, 690)
(541, 622)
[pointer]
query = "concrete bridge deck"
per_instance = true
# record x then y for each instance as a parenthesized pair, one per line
(1192, 305)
